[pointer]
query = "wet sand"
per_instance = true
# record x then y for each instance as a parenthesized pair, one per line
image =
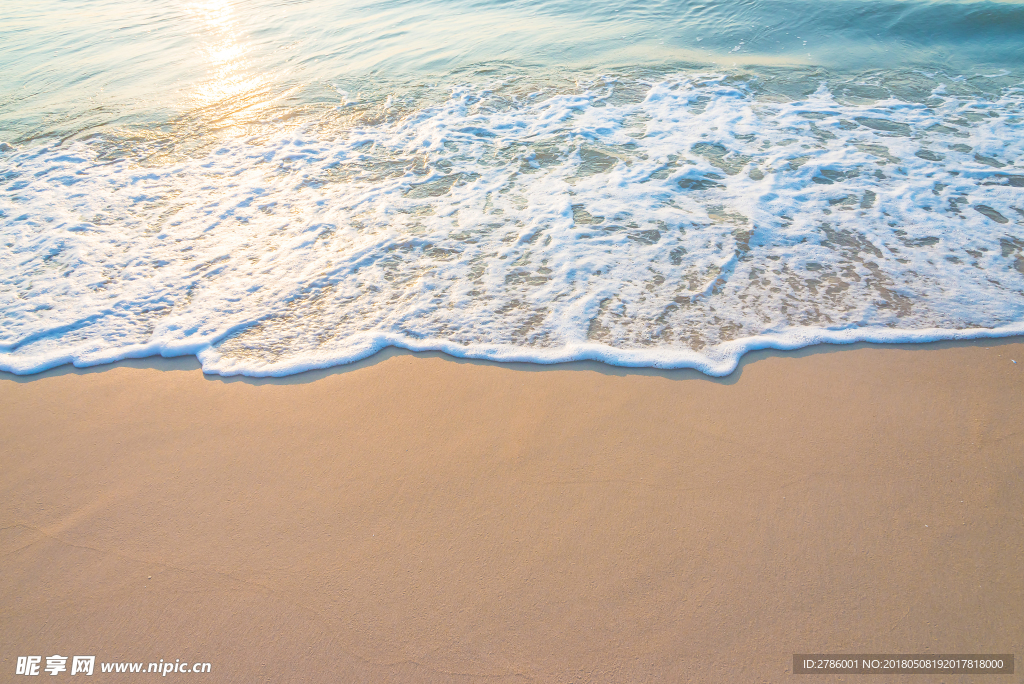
(416, 518)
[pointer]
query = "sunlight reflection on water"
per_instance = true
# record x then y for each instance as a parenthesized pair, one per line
(83, 65)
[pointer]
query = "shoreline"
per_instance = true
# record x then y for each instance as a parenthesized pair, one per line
(420, 518)
(191, 362)
(731, 354)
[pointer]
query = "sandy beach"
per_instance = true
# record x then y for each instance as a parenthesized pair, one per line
(416, 518)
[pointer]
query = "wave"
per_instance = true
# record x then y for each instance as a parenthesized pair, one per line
(671, 223)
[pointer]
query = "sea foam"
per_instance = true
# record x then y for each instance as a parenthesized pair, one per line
(677, 223)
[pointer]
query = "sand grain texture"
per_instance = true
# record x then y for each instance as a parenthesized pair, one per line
(419, 519)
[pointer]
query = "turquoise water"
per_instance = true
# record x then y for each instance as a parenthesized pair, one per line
(79, 67)
(276, 185)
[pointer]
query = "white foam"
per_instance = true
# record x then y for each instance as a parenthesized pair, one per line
(680, 230)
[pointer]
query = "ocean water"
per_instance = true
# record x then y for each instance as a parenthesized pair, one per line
(278, 185)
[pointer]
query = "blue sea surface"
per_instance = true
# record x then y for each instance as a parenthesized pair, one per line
(278, 185)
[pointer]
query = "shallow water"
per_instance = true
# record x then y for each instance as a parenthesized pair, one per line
(276, 185)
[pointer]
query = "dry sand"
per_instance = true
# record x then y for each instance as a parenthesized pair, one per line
(421, 519)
